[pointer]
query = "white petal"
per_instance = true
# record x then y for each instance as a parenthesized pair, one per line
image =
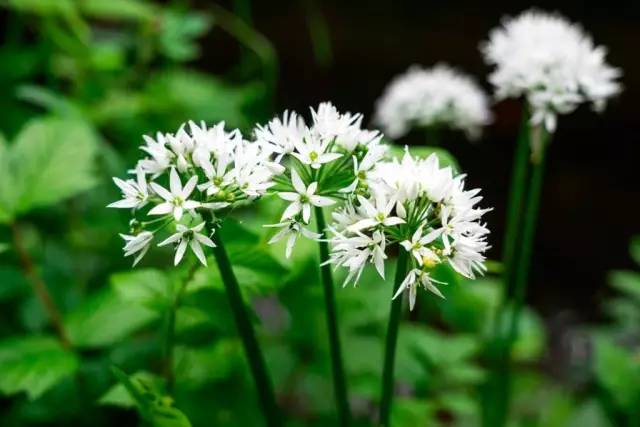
(124, 203)
(188, 188)
(173, 238)
(174, 182)
(197, 249)
(306, 212)
(161, 209)
(177, 212)
(291, 197)
(292, 210)
(180, 252)
(394, 220)
(297, 182)
(162, 192)
(205, 240)
(321, 201)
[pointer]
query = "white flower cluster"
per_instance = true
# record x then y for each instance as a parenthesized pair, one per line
(187, 176)
(424, 208)
(326, 161)
(550, 61)
(436, 97)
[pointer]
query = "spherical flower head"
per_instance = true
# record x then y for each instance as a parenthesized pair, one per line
(550, 61)
(184, 178)
(424, 208)
(435, 97)
(326, 161)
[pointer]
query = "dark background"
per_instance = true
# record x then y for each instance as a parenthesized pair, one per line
(590, 205)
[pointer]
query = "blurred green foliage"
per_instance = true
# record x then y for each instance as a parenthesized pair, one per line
(82, 80)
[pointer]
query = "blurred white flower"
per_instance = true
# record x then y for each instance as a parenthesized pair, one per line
(193, 238)
(550, 61)
(411, 282)
(435, 97)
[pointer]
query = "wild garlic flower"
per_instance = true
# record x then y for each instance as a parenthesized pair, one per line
(550, 61)
(437, 97)
(185, 178)
(423, 208)
(326, 161)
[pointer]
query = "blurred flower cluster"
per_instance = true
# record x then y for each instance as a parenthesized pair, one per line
(439, 96)
(550, 61)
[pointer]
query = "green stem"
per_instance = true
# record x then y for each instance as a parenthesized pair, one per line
(339, 378)
(391, 341)
(170, 332)
(252, 349)
(539, 137)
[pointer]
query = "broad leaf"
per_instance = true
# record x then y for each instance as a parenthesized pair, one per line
(105, 319)
(618, 372)
(118, 395)
(33, 364)
(148, 288)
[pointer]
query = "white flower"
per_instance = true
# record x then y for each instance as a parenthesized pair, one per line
(291, 229)
(440, 96)
(135, 194)
(376, 213)
(176, 200)
(193, 238)
(412, 280)
(283, 133)
(353, 252)
(303, 198)
(417, 246)
(137, 244)
(161, 157)
(550, 61)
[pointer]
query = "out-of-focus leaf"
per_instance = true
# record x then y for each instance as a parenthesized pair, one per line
(178, 34)
(412, 412)
(104, 319)
(121, 10)
(589, 414)
(627, 282)
(154, 408)
(44, 7)
(51, 159)
(438, 348)
(634, 249)
(618, 371)
(12, 282)
(445, 158)
(187, 95)
(48, 99)
(33, 364)
(118, 395)
(459, 403)
(148, 288)
(4, 247)
(196, 367)
(531, 337)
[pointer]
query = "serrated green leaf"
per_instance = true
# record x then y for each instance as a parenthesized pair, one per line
(104, 319)
(33, 364)
(50, 160)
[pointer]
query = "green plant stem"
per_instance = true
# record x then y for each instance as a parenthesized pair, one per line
(391, 341)
(502, 376)
(539, 137)
(39, 286)
(170, 332)
(339, 378)
(252, 349)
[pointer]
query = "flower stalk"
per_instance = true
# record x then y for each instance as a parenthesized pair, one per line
(337, 366)
(391, 341)
(264, 387)
(39, 286)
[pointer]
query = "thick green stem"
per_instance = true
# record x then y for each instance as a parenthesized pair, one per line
(540, 137)
(391, 341)
(339, 378)
(252, 350)
(518, 281)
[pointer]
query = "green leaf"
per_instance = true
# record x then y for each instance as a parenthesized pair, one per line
(618, 372)
(105, 319)
(118, 395)
(50, 160)
(196, 367)
(153, 407)
(179, 32)
(33, 364)
(12, 282)
(148, 288)
(627, 282)
(121, 10)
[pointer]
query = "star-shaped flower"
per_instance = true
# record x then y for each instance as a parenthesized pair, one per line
(176, 200)
(189, 236)
(303, 198)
